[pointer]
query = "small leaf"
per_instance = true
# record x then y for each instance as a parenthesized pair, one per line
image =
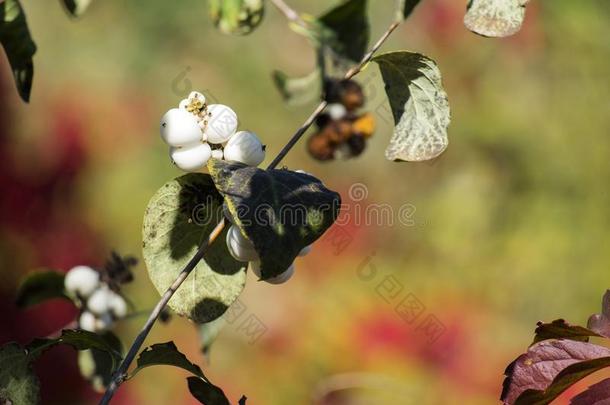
(347, 30)
(597, 394)
(549, 368)
(18, 45)
(96, 365)
(280, 211)
(560, 329)
(39, 287)
(600, 323)
(165, 354)
(178, 218)
(18, 383)
(406, 7)
(495, 18)
(299, 90)
(239, 17)
(208, 333)
(419, 106)
(206, 393)
(242, 400)
(76, 8)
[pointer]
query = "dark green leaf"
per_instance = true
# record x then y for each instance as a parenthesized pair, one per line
(18, 383)
(347, 29)
(560, 329)
(242, 400)
(299, 90)
(406, 7)
(97, 366)
(165, 354)
(206, 393)
(40, 286)
(238, 17)
(549, 368)
(76, 8)
(419, 105)
(280, 211)
(18, 45)
(179, 216)
(495, 18)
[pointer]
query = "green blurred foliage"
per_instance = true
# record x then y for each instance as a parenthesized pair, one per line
(511, 224)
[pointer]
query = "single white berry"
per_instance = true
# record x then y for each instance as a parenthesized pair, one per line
(336, 111)
(180, 128)
(87, 321)
(245, 147)
(99, 302)
(305, 251)
(217, 154)
(279, 279)
(104, 322)
(183, 104)
(195, 95)
(221, 123)
(82, 280)
(118, 306)
(240, 247)
(191, 158)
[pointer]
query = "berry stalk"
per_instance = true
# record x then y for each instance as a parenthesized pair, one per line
(121, 372)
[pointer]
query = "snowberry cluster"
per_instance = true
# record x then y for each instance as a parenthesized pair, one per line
(196, 132)
(342, 131)
(242, 249)
(101, 306)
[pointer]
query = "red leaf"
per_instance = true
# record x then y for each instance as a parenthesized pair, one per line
(597, 394)
(550, 367)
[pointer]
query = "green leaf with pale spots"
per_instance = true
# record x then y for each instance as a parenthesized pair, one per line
(179, 217)
(18, 383)
(40, 286)
(419, 105)
(76, 8)
(18, 44)
(239, 17)
(280, 211)
(495, 18)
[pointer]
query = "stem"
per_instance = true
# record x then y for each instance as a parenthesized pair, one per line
(289, 12)
(121, 372)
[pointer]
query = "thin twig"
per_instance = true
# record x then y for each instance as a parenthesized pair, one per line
(289, 12)
(121, 372)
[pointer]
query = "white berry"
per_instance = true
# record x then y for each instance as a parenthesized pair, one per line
(118, 306)
(195, 95)
(279, 279)
(217, 154)
(82, 280)
(245, 147)
(87, 321)
(222, 123)
(99, 302)
(336, 111)
(180, 128)
(183, 104)
(191, 158)
(305, 251)
(240, 247)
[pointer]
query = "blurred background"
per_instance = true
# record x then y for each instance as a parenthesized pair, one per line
(511, 225)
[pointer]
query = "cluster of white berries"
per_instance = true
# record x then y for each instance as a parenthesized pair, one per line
(242, 249)
(101, 306)
(196, 132)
